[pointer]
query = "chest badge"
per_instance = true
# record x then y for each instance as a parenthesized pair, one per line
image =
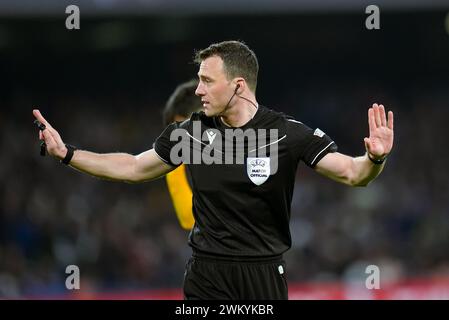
(211, 136)
(258, 169)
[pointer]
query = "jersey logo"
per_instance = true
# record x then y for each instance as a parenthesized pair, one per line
(318, 133)
(258, 169)
(211, 136)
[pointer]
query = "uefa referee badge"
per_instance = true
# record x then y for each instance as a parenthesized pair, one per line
(258, 169)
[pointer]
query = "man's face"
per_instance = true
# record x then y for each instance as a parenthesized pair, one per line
(214, 88)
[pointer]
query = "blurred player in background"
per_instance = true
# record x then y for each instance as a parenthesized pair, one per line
(242, 210)
(180, 106)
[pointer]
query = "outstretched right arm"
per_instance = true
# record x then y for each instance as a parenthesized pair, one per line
(112, 166)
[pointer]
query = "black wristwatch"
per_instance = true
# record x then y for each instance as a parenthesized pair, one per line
(69, 155)
(378, 161)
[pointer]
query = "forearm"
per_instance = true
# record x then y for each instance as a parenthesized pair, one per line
(360, 171)
(364, 170)
(111, 166)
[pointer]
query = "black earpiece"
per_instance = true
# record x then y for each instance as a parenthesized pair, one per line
(235, 92)
(236, 88)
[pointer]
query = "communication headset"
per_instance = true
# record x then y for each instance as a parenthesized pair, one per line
(235, 92)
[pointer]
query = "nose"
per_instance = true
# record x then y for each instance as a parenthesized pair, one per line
(199, 90)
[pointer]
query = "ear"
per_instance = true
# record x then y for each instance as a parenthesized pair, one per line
(237, 87)
(240, 85)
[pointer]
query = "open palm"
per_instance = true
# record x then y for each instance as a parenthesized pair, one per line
(381, 135)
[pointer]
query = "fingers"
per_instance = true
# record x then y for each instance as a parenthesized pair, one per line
(37, 114)
(48, 128)
(48, 138)
(371, 121)
(390, 120)
(377, 115)
(383, 118)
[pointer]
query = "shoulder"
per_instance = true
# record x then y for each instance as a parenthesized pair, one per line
(269, 113)
(290, 123)
(295, 126)
(271, 118)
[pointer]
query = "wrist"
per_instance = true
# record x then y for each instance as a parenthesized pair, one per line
(62, 153)
(68, 154)
(376, 160)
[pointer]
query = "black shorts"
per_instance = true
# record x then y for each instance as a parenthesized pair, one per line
(212, 278)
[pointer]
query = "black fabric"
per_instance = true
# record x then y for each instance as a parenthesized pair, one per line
(234, 217)
(69, 155)
(217, 279)
(307, 144)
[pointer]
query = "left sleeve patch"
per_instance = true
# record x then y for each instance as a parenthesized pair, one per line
(318, 133)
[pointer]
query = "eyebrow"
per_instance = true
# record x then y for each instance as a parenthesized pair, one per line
(202, 76)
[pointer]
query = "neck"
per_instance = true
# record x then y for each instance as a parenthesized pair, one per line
(240, 113)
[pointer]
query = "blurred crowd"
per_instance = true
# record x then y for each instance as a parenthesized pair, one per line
(126, 237)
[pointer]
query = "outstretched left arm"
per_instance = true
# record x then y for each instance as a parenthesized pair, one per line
(360, 171)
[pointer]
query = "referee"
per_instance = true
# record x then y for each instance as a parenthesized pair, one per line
(241, 209)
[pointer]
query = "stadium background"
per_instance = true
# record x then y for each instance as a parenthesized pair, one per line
(104, 86)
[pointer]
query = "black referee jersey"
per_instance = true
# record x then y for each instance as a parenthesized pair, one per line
(238, 212)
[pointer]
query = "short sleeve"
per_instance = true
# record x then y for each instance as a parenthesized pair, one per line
(308, 145)
(163, 144)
